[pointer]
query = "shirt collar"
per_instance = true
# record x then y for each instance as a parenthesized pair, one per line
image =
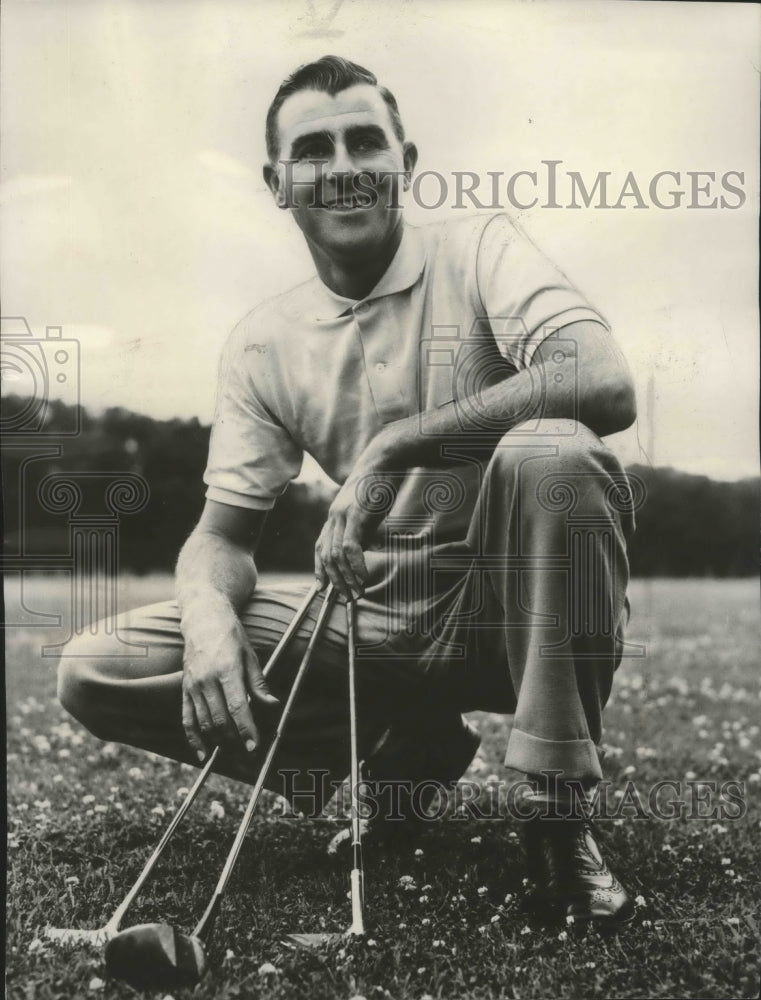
(403, 271)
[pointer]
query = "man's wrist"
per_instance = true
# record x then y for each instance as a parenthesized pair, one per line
(200, 609)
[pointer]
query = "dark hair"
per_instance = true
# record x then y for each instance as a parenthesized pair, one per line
(331, 74)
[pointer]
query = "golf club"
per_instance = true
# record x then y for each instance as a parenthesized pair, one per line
(357, 927)
(72, 935)
(158, 956)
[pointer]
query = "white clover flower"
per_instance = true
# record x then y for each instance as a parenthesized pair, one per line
(495, 918)
(72, 880)
(509, 897)
(570, 920)
(406, 880)
(57, 779)
(423, 899)
(425, 921)
(733, 920)
(419, 852)
(730, 872)
(87, 799)
(136, 773)
(525, 930)
(216, 810)
(103, 809)
(690, 775)
(268, 969)
(563, 936)
(475, 840)
(640, 901)
(726, 861)
(482, 890)
(158, 810)
(438, 943)
(182, 792)
(426, 888)
(96, 983)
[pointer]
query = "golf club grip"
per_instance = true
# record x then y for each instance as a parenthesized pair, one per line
(211, 910)
(167, 836)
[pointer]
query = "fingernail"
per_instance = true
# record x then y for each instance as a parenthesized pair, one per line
(250, 746)
(200, 755)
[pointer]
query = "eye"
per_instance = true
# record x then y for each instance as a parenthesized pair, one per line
(367, 144)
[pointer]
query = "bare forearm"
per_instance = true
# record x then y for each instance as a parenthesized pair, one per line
(213, 574)
(589, 383)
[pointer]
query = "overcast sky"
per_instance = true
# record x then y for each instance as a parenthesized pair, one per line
(134, 215)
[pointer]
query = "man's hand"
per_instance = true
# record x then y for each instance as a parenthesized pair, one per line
(222, 686)
(338, 553)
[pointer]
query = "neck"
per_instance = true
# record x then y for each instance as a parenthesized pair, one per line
(354, 275)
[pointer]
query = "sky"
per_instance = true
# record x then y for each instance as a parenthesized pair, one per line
(135, 217)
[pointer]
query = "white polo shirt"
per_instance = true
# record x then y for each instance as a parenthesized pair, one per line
(463, 304)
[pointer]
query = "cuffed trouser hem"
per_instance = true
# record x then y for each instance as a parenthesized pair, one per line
(532, 755)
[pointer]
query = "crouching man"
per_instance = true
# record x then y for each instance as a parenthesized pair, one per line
(457, 387)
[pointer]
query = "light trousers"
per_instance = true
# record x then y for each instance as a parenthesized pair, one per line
(523, 615)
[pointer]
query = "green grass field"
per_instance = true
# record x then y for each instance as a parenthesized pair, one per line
(83, 817)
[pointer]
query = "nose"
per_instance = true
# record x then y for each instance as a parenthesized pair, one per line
(340, 165)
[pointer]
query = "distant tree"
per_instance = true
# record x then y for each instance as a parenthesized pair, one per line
(688, 525)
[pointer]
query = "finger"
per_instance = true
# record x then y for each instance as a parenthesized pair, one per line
(256, 681)
(239, 711)
(339, 571)
(330, 531)
(355, 553)
(320, 572)
(222, 729)
(191, 727)
(204, 723)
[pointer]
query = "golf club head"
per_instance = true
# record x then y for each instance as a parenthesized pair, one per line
(155, 956)
(64, 936)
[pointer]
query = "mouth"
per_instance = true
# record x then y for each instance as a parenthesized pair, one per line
(352, 204)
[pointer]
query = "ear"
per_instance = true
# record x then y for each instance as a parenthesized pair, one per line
(272, 180)
(410, 162)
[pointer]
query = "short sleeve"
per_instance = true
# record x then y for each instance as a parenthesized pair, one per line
(524, 295)
(252, 457)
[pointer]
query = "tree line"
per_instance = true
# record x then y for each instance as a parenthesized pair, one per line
(687, 526)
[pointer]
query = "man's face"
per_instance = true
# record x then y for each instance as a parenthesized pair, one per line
(347, 168)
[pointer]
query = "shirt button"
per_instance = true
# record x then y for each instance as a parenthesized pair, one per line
(363, 307)
(380, 367)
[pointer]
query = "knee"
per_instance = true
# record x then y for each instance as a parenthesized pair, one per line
(533, 450)
(558, 466)
(78, 686)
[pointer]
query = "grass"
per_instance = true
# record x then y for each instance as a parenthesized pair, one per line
(84, 815)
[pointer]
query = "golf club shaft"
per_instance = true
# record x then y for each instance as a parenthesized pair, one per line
(206, 920)
(204, 774)
(168, 833)
(357, 876)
